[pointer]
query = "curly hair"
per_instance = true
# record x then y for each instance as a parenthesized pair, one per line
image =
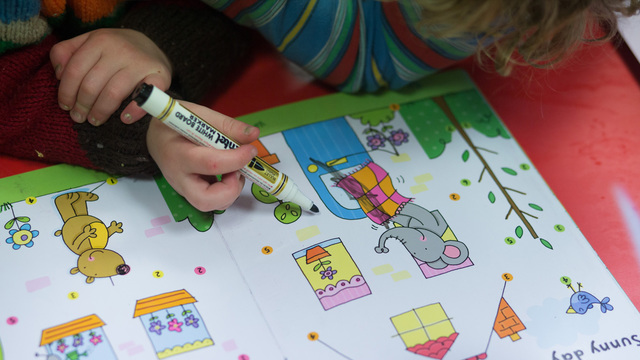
(534, 32)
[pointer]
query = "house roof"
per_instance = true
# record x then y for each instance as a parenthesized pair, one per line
(71, 328)
(162, 301)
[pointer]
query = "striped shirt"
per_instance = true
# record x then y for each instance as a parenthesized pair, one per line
(353, 45)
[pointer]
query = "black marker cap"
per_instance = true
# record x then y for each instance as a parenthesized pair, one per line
(142, 93)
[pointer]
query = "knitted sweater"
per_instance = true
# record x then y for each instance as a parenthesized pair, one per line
(354, 45)
(33, 126)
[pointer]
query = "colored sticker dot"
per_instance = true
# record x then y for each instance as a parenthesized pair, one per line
(112, 181)
(509, 240)
(394, 107)
(313, 336)
(243, 357)
(158, 274)
(31, 200)
(200, 270)
(507, 277)
(465, 182)
(525, 166)
(559, 228)
(565, 280)
(454, 197)
(267, 250)
(73, 295)
(12, 320)
(312, 168)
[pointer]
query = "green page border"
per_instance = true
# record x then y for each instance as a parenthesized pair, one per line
(59, 177)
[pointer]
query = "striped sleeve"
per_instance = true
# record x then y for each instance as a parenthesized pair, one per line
(353, 45)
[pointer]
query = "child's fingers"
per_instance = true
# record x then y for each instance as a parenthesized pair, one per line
(237, 130)
(217, 195)
(208, 161)
(71, 79)
(61, 52)
(117, 88)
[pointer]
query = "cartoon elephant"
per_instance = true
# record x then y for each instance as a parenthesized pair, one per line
(87, 236)
(421, 231)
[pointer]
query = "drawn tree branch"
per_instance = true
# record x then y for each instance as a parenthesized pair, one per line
(513, 207)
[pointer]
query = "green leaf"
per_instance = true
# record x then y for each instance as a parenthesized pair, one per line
(546, 243)
(317, 267)
(326, 262)
(535, 207)
(23, 219)
(492, 197)
(509, 171)
(9, 224)
(465, 155)
(519, 231)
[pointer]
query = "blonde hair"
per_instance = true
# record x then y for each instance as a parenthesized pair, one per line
(534, 32)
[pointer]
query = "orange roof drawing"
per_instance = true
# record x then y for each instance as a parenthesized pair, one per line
(71, 328)
(162, 301)
(507, 322)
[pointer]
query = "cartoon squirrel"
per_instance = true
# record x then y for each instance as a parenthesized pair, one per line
(87, 236)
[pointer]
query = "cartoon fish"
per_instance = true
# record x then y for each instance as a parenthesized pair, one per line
(581, 301)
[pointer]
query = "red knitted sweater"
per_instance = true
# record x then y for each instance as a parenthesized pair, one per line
(32, 125)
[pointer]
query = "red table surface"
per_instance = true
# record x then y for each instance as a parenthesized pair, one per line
(578, 124)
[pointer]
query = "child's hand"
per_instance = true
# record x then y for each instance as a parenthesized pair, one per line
(100, 69)
(191, 169)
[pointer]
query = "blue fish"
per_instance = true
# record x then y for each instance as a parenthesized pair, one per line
(582, 301)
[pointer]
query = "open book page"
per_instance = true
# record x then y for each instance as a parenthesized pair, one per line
(436, 238)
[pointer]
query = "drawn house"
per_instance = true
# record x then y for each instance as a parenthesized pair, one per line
(426, 331)
(507, 322)
(83, 337)
(172, 323)
(332, 273)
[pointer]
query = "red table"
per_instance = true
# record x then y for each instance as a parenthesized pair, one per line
(580, 126)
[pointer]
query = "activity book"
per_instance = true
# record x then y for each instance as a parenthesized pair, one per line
(436, 239)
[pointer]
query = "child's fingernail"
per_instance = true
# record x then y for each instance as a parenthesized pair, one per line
(248, 130)
(64, 107)
(94, 122)
(254, 151)
(126, 118)
(76, 116)
(57, 70)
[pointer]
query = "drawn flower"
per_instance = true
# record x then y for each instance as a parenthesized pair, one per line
(156, 326)
(96, 339)
(191, 320)
(77, 340)
(375, 141)
(61, 346)
(174, 325)
(328, 273)
(397, 137)
(23, 236)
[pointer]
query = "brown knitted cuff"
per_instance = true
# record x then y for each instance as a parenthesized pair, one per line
(118, 148)
(203, 45)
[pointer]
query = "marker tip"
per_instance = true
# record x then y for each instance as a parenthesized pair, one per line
(315, 209)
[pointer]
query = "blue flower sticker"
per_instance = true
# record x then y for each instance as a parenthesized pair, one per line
(23, 236)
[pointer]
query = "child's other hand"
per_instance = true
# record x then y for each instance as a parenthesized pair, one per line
(191, 169)
(100, 69)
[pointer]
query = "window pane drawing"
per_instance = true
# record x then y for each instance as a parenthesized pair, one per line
(426, 331)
